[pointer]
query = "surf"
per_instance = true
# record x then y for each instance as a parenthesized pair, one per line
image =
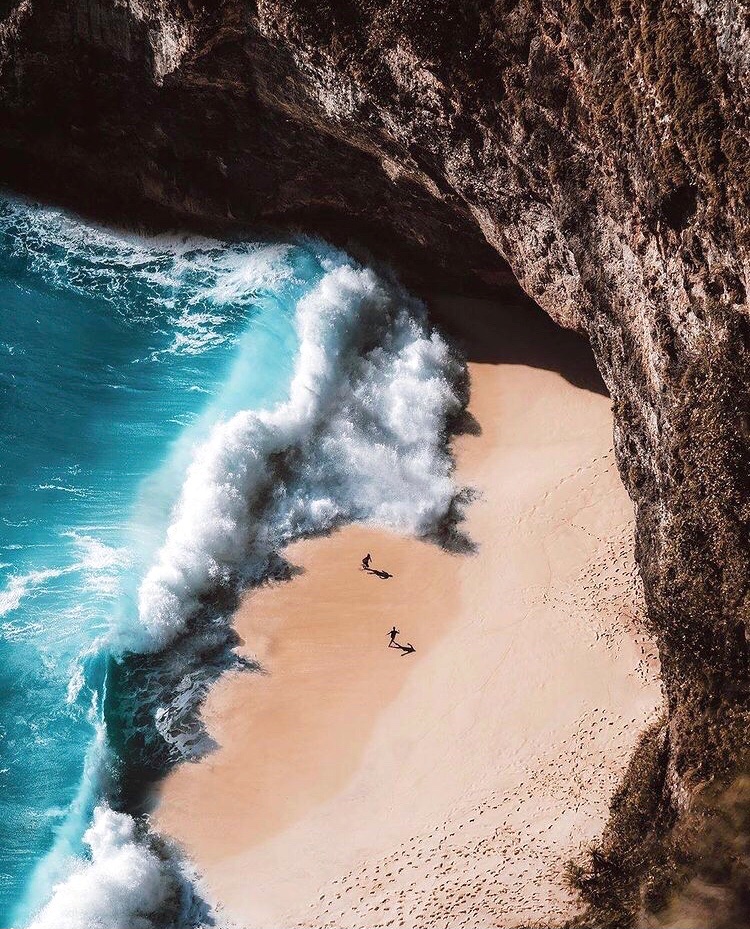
(248, 394)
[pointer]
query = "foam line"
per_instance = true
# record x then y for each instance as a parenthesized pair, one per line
(362, 437)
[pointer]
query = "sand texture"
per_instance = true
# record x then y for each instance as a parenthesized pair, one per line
(358, 786)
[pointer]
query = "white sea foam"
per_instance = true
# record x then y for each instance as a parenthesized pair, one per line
(100, 564)
(20, 585)
(240, 275)
(75, 491)
(13, 632)
(129, 879)
(123, 885)
(362, 437)
(76, 683)
(200, 284)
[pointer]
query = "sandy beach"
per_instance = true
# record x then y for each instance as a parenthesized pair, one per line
(356, 785)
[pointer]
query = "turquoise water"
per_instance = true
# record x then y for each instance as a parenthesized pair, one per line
(110, 352)
(174, 411)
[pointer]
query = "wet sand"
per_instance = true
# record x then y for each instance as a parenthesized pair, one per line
(359, 786)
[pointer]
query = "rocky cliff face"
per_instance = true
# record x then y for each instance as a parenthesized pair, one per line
(598, 148)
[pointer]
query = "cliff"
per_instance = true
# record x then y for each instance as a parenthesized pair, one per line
(596, 148)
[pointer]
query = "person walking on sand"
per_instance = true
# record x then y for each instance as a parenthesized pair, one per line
(393, 643)
(366, 562)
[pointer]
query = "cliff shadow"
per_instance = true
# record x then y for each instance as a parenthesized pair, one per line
(511, 329)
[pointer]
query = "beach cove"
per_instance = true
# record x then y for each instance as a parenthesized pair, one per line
(357, 785)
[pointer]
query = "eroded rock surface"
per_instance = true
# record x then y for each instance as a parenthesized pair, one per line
(598, 148)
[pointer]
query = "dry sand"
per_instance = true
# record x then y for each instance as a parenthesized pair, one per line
(356, 786)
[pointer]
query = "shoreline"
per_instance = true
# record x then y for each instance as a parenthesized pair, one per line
(357, 787)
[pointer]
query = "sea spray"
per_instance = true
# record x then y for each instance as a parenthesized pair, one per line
(362, 437)
(126, 881)
(342, 413)
(117, 356)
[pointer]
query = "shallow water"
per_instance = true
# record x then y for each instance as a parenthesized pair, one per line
(173, 411)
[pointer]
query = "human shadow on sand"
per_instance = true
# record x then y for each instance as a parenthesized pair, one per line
(378, 573)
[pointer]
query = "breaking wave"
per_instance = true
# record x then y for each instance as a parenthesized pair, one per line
(362, 437)
(355, 429)
(127, 880)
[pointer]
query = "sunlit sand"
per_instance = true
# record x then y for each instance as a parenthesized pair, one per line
(356, 785)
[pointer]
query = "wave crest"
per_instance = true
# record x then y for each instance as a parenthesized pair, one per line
(127, 883)
(362, 437)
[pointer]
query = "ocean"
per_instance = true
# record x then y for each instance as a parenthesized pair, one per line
(174, 411)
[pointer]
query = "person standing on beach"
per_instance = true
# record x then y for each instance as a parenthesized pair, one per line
(393, 633)
(366, 562)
